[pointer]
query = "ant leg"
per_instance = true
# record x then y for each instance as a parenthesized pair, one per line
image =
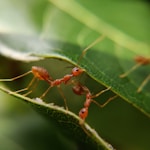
(63, 96)
(90, 46)
(25, 89)
(130, 70)
(103, 105)
(43, 95)
(101, 92)
(12, 79)
(29, 85)
(84, 127)
(143, 83)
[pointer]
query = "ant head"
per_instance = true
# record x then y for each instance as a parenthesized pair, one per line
(83, 113)
(77, 71)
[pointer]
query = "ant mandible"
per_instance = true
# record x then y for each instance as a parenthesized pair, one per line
(40, 73)
(80, 90)
(140, 61)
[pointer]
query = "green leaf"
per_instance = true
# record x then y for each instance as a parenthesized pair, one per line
(68, 121)
(97, 24)
(100, 71)
(62, 30)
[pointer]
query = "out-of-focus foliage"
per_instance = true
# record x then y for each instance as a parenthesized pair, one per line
(31, 27)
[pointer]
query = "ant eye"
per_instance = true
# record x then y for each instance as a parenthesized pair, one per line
(77, 70)
(83, 113)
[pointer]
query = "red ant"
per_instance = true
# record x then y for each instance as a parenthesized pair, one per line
(40, 73)
(80, 90)
(140, 60)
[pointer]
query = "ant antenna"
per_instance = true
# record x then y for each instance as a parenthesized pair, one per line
(90, 46)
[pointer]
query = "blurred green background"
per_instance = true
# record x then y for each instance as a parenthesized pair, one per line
(21, 128)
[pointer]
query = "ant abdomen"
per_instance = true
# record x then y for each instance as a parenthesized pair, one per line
(41, 73)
